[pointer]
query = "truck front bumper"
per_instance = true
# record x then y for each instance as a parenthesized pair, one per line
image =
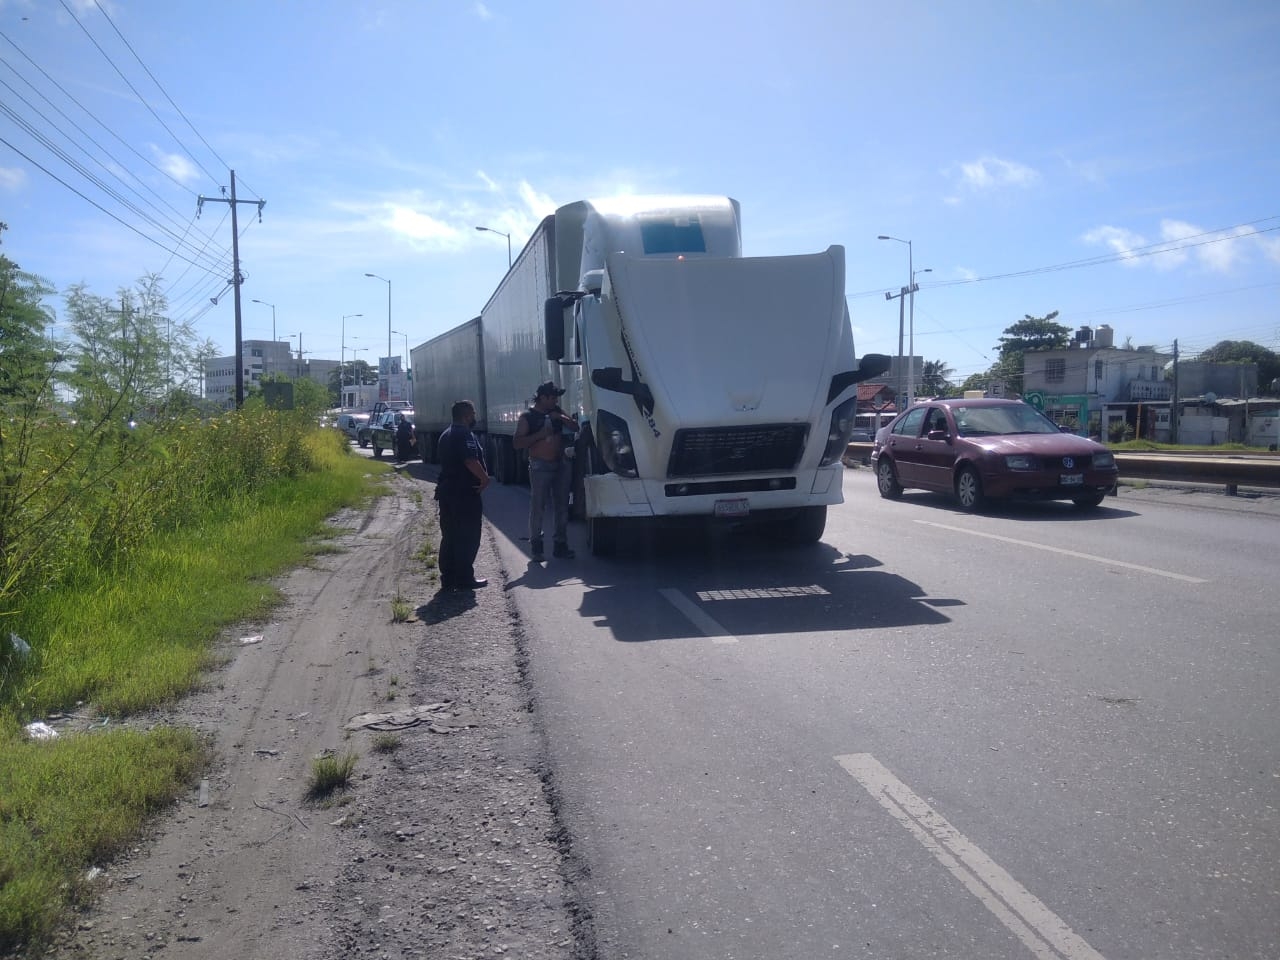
(609, 495)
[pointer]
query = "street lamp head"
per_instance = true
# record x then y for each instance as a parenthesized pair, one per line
(883, 237)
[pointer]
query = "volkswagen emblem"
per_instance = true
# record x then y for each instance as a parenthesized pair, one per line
(1068, 462)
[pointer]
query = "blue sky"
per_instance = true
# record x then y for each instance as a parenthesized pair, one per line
(1028, 149)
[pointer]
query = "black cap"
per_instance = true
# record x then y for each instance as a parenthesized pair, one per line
(548, 389)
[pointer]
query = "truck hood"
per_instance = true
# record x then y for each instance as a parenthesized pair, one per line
(723, 341)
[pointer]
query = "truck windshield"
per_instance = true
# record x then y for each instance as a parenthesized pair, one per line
(672, 235)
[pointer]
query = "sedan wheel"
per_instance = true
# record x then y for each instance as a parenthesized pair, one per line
(969, 489)
(1088, 501)
(887, 481)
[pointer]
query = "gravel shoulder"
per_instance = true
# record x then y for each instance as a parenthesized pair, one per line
(446, 846)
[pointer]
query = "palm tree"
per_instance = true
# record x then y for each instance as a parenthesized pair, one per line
(935, 377)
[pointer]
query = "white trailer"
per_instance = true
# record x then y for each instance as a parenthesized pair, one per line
(446, 369)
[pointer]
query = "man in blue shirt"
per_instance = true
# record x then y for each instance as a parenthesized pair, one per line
(463, 475)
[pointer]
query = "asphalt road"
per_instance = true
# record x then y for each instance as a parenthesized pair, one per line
(1034, 733)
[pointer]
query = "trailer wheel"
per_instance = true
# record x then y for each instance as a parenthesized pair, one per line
(602, 535)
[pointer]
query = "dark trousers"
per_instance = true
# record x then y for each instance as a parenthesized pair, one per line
(459, 539)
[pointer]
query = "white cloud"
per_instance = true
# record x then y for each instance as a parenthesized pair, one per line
(175, 165)
(12, 178)
(417, 226)
(1120, 240)
(483, 12)
(1180, 243)
(488, 181)
(539, 204)
(989, 173)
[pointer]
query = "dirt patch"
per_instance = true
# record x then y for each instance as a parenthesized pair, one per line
(445, 845)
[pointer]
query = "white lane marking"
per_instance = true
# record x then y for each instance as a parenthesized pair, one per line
(708, 625)
(1041, 930)
(1068, 553)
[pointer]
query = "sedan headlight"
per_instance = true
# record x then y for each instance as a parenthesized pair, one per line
(1104, 461)
(1020, 461)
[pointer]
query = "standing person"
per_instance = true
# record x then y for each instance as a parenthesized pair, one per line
(546, 432)
(463, 475)
(405, 439)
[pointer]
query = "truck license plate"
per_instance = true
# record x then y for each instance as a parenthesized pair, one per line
(1072, 479)
(739, 507)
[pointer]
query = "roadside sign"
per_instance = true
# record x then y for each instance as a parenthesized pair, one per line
(1035, 398)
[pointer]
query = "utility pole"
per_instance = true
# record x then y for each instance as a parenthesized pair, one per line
(236, 279)
(1175, 408)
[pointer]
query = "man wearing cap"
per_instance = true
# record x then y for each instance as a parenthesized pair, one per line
(545, 430)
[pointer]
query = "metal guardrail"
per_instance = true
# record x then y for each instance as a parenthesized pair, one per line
(1226, 469)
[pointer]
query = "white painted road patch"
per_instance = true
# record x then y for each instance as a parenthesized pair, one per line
(1045, 934)
(698, 617)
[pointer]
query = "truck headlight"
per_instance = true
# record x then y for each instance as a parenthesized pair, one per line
(838, 433)
(614, 440)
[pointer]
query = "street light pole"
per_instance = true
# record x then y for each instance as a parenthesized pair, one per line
(273, 315)
(342, 376)
(388, 283)
(406, 346)
(501, 234)
(910, 291)
(911, 334)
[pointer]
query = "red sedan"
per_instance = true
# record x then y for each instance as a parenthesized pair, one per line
(983, 450)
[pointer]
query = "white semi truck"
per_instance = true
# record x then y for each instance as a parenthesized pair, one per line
(707, 384)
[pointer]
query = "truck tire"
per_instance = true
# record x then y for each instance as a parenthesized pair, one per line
(602, 536)
(801, 525)
(808, 525)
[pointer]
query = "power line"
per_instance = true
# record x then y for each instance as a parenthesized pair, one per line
(1149, 250)
(140, 97)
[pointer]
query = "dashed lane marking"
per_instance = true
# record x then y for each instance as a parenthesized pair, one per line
(1068, 553)
(1044, 933)
(707, 624)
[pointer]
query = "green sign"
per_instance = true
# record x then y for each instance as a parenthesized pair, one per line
(1035, 398)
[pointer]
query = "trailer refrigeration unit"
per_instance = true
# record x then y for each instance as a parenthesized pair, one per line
(707, 384)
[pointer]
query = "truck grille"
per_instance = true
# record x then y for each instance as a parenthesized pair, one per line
(720, 450)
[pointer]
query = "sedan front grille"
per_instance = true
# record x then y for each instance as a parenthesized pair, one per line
(1081, 462)
(715, 451)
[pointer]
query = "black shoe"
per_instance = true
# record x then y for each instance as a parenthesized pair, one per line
(475, 584)
(562, 552)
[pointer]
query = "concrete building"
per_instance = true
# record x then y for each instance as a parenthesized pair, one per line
(1106, 392)
(261, 358)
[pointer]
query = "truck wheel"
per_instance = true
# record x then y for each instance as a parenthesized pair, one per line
(602, 536)
(807, 526)
(363, 440)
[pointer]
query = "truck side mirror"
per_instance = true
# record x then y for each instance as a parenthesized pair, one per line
(553, 317)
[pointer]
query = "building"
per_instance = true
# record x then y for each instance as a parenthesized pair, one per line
(1105, 392)
(261, 358)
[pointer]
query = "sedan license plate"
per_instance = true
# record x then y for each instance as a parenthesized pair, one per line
(739, 507)
(1072, 479)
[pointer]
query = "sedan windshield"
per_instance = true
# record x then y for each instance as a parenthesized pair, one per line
(1002, 420)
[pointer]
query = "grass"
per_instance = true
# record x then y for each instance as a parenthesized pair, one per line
(119, 641)
(401, 609)
(330, 774)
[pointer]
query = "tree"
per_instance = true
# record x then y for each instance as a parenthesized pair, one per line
(934, 378)
(1027, 335)
(1245, 351)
